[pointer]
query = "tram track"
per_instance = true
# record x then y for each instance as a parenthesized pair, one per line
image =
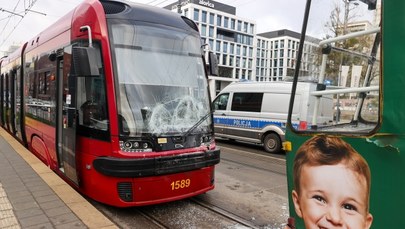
(256, 161)
(152, 219)
(276, 171)
(174, 215)
(224, 213)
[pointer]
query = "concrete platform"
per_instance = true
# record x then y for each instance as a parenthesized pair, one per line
(33, 196)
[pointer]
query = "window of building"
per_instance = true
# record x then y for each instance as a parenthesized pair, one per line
(218, 46)
(212, 18)
(226, 21)
(239, 26)
(252, 29)
(204, 16)
(225, 47)
(245, 27)
(230, 60)
(231, 48)
(247, 102)
(196, 14)
(219, 20)
(211, 42)
(203, 30)
(232, 23)
(224, 57)
(237, 49)
(243, 74)
(211, 31)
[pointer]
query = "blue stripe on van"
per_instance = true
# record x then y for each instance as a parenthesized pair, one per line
(249, 123)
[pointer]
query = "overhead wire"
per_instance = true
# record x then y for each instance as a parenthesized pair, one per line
(13, 12)
(18, 23)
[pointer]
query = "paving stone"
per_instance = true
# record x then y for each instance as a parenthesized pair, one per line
(33, 220)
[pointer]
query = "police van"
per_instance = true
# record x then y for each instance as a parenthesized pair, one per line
(257, 111)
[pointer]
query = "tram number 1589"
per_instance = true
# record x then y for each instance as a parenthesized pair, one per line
(179, 184)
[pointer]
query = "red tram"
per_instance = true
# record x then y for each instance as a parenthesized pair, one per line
(114, 98)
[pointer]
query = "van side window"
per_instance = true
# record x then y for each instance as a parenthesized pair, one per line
(247, 102)
(221, 101)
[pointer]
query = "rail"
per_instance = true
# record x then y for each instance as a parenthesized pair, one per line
(365, 88)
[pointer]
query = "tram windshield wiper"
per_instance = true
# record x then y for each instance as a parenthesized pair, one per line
(196, 125)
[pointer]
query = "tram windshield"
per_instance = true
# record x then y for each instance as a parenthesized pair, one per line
(162, 87)
(341, 53)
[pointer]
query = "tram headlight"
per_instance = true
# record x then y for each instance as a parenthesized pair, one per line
(128, 145)
(136, 144)
(206, 139)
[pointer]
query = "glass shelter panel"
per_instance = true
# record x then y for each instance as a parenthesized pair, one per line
(341, 54)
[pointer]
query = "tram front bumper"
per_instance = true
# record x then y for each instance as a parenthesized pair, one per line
(144, 167)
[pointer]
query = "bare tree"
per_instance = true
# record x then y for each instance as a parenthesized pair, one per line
(340, 17)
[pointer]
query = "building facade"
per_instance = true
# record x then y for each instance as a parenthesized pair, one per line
(276, 54)
(242, 53)
(230, 37)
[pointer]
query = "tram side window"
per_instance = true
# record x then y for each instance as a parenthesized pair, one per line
(91, 100)
(41, 102)
(251, 102)
(93, 109)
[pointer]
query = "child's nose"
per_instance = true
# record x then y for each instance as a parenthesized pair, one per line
(334, 215)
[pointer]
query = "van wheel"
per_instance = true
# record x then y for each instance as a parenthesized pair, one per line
(272, 143)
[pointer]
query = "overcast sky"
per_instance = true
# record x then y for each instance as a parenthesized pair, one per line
(22, 25)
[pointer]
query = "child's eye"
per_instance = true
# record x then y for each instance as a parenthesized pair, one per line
(319, 198)
(349, 207)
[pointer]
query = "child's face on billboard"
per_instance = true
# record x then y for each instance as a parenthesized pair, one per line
(332, 196)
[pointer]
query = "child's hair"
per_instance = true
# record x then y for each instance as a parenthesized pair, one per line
(326, 150)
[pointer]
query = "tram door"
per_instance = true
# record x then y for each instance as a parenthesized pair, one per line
(67, 116)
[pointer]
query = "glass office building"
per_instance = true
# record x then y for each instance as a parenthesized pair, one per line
(242, 53)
